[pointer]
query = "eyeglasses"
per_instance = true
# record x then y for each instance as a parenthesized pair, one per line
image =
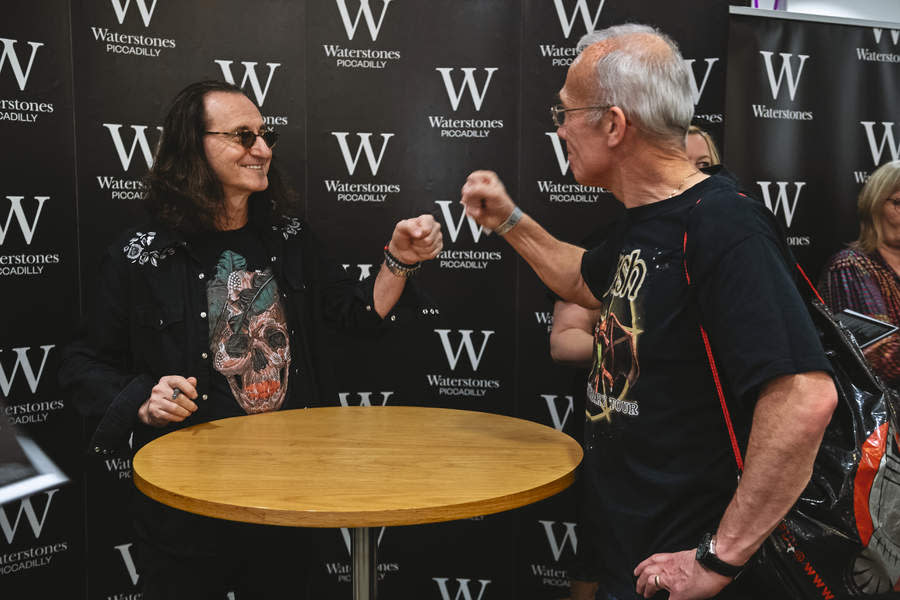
(247, 138)
(559, 113)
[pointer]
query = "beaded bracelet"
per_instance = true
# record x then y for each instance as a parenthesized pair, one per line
(397, 267)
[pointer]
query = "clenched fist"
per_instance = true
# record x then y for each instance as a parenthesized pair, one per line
(486, 200)
(416, 240)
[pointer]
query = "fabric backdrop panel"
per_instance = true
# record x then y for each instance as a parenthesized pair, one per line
(41, 537)
(812, 110)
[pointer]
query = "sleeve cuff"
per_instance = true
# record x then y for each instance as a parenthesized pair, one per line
(112, 433)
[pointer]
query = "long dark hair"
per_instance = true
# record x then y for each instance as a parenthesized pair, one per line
(183, 192)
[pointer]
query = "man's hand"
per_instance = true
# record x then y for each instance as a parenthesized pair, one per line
(486, 200)
(170, 401)
(416, 240)
(680, 574)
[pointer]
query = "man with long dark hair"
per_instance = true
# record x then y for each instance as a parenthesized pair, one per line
(210, 311)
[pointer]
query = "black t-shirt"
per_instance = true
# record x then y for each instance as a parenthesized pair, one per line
(248, 331)
(658, 462)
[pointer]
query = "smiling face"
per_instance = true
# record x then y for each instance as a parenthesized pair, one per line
(240, 171)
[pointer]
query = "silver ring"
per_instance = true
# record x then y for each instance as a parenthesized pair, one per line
(175, 393)
(656, 581)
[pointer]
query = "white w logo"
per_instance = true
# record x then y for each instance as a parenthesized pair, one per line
(886, 137)
(17, 210)
(364, 146)
(26, 507)
(895, 35)
(557, 548)
(146, 14)
(454, 227)
(125, 551)
(788, 207)
(249, 73)
(561, 159)
(365, 398)
(139, 140)
(554, 412)
(364, 11)
(468, 81)
(590, 24)
(9, 54)
(27, 370)
(462, 591)
(696, 90)
(465, 343)
(786, 68)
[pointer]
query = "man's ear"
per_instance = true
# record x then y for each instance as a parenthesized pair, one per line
(614, 126)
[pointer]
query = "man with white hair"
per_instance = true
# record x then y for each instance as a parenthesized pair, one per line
(663, 506)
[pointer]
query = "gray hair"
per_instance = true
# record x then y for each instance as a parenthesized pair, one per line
(652, 88)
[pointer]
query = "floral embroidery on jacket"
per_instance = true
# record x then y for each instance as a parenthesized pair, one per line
(290, 227)
(137, 249)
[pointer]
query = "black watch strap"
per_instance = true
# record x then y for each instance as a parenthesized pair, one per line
(706, 556)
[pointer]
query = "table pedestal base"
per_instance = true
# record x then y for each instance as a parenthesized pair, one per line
(364, 571)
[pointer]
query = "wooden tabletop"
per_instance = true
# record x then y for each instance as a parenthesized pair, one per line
(357, 466)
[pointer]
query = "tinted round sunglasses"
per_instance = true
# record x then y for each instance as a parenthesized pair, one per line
(247, 138)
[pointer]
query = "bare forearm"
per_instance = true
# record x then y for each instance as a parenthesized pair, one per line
(788, 424)
(557, 263)
(388, 289)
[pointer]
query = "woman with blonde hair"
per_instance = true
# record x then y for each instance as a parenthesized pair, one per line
(865, 277)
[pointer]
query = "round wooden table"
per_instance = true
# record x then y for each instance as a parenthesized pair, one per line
(358, 467)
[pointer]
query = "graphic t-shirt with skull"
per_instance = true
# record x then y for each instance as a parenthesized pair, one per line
(248, 336)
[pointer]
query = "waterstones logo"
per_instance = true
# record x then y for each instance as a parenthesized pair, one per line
(26, 508)
(554, 575)
(342, 570)
(472, 387)
(22, 111)
(345, 191)
(20, 211)
(128, 560)
(782, 198)
(544, 319)
(130, 144)
(465, 128)
(17, 528)
(29, 413)
(11, 57)
(788, 74)
(364, 399)
(553, 407)
(568, 18)
(469, 259)
(121, 467)
(135, 45)
(891, 37)
(23, 365)
(568, 14)
(463, 591)
(361, 58)
(259, 90)
(887, 140)
(698, 87)
(566, 193)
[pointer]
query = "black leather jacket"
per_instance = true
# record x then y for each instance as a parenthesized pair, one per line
(148, 320)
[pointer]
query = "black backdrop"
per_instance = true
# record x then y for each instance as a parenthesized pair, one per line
(384, 106)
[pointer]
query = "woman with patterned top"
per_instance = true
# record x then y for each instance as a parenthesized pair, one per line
(865, 277)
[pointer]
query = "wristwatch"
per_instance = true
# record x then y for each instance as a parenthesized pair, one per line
(706, 556)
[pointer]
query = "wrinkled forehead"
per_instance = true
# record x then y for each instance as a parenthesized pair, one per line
(229, 111)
